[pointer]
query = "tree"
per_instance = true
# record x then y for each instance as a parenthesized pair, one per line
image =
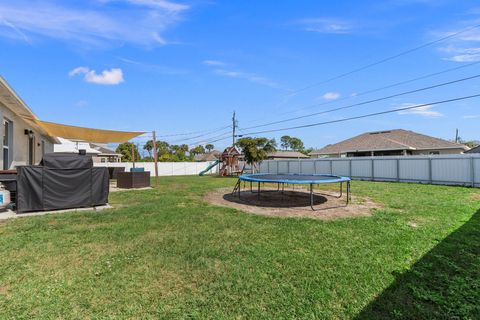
(209, 147)
(256, 150)
(296, 144)
(285, 142)
(163, 148)
(149, 147)
(179, 152)
(125, 149)
(197, 150)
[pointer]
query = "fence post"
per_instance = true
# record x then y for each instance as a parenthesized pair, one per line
(398, 169)
(430, 173)
(349, 167)
(373, 169)
(314, 166)
(472, 170)
(299, 166)
(331, 166)
(277, 166)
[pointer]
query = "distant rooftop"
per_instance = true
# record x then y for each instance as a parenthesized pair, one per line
(209, 156)
(397, 139)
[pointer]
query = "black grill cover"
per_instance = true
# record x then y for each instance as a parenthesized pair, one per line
(62, 181)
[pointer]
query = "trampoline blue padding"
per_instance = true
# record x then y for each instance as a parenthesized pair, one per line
(293, 178)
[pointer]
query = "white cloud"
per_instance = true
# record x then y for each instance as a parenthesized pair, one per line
(214, 63)
(424, 111)
(326, 25)
(113, 76)
(464, 46)
(249, 77)
(140, 22)
(462, 54)
(167, 5)
(81, 103)
(331, 96)
(252, 77)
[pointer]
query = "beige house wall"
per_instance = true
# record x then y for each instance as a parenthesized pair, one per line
(19, 148)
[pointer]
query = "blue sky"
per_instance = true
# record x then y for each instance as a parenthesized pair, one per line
(180, 67)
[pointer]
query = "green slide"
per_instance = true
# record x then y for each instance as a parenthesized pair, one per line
(209, 167)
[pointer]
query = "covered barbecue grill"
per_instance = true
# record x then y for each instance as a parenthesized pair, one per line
(61, 181)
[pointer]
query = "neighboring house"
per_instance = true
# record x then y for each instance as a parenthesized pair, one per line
(279, 155)
(99, 152)
(474, 150)
(389, 143)
(209, 156)
(106, 154)
(24, 141)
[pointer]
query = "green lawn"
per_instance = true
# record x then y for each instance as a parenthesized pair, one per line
(163, 253)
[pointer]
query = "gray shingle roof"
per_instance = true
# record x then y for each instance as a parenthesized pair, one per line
(209, 156)
(398, 139)
(474, 150)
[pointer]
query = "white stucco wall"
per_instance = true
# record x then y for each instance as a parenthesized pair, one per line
(20, 140)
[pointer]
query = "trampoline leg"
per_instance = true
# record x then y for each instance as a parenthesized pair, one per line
(311, 196)
(348, 192)
(239, 189)
(251, 186)
(341, 189)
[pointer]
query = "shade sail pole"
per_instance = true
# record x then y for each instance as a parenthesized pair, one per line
(155, 156)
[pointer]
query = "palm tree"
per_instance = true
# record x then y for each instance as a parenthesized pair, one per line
(209, 147)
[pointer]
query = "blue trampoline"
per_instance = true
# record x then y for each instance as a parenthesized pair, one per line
(290, 178)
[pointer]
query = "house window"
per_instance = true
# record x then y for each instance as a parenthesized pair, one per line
(7, 144)
(434, 152)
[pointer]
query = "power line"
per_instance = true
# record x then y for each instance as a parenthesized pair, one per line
(342, 75)
(367, 102)
(188, 133)
(366, 115)
(213, 139)
(396, 84)
(199, 136)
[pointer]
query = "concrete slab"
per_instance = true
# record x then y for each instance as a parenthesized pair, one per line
(9, 214)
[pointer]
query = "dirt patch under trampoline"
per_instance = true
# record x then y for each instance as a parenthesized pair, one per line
(292, 203)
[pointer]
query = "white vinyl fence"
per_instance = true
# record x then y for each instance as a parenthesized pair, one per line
(461, 169)
(165, 168)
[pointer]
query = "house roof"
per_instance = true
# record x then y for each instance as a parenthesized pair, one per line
(209, 156)
(104, 151)
(10, 99)
(474, 150)
(398, 139)
(68, 146)
(287, 154)
(231, 151)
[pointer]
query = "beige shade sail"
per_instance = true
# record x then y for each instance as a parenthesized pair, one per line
(86, 134)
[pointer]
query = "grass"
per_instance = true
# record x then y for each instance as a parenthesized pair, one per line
(164, 253)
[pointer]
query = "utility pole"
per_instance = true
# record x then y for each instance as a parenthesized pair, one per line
(456, 136)
(155, 156)
(234, 126)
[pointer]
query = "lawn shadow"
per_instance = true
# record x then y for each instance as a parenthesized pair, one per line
(443, 284)
(275, 199)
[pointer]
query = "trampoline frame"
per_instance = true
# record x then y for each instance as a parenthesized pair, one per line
(256, 178)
